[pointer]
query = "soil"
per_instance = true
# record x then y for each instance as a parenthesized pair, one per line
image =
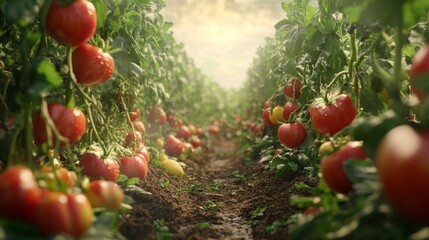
(215, 200)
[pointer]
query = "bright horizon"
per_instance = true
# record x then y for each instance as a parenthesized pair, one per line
(222, 36)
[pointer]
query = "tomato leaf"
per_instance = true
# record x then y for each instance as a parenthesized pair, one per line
(102, 12)
(371, 130)
(363, 175)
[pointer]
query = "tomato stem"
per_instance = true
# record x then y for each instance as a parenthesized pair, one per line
(351, 68)
(97, 135)
(69, 85)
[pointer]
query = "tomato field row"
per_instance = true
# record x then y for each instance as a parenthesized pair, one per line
(94, 94)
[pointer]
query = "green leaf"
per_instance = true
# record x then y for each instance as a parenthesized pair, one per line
(372, 129)
(102, 12)
(49, 74)
(363, 175)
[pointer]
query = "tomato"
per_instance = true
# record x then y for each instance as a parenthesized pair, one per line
(292, 135)
(19, 193)
(91, 66)
(276, 116)
(159, 142)
(195, 141)
(329, 118)
(96, 167)
(200, 132)
(288, 109)
(139, 126)
(332, 166)
(72, 24)
(64, 213)
(278, 151)
(133, 139)
(158, 116)
(173, 146)
(293, 89)
(69, 178)
(105, 194)
(311, 210)
(326, 148)
(143, 153)
(267, 104)
(213, 129)
(266, 117)
(134, 167)
(402, 161)
(184, 132)
(192, 128)
(419, 66)
(134, 115)
(71, 123)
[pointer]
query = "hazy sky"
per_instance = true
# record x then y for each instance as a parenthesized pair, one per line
(222, 35)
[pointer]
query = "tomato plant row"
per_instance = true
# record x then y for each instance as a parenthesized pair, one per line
(92, 92)
(340, 93)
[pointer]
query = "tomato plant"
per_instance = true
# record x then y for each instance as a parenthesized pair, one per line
(133, 139)
(91, 66)
(134, 115)
(71, 24)
(70, 123)
(97, 167)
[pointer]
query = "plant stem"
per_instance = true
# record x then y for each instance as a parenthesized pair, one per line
(351, 68)
(91, 119)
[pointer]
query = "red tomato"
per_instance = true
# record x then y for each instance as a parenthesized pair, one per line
(195, 141)
(213, 129)
(96, 167)
(133, 139)
(402, 160)
(105, 194)
(64, 213)
(292, 135)
(69, 178)
(267, 104)
(173, 146)
(134, 115)
(72, 24)
(184, 132)
(278, 151)
(332, 166)
(91, 66)
(158, 116)
(288, 109)
(419, 66)
(311, 210)
(19, 193)
(200, 132)
(329, 118)
(71, 123)
(293, 89)
(266, 116)
(134, 167)
(143, 153)
(139, 126)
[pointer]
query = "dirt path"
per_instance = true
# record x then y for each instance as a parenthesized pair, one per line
(221, 198)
